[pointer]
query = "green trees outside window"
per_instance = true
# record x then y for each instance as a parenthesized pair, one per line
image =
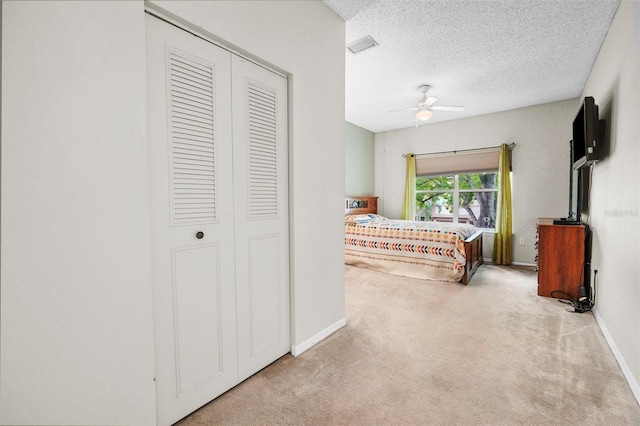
(464, 198)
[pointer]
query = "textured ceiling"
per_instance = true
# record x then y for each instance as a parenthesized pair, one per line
(488, 56)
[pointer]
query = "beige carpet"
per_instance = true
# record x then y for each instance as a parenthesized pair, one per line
(432, 353)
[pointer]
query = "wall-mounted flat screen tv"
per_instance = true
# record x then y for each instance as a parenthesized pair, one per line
(587, 134)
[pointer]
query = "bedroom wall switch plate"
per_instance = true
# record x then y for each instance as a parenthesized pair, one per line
(521, 241)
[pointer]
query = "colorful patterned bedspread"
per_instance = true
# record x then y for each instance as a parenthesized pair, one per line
(370, 238)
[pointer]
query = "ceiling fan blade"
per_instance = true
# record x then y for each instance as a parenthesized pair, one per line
(430, 100)
(405, 109)
(447, 108)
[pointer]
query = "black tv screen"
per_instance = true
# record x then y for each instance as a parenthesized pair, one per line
(586, 134)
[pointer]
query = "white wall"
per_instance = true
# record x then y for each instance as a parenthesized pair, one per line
(615, 200)
(540, 179)
(359, 160)
(77, 338)
(76, 313)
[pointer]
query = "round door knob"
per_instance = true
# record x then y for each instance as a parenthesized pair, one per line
(199, 235)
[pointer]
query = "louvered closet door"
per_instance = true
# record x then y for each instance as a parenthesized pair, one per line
(261, 200)
(189, 103)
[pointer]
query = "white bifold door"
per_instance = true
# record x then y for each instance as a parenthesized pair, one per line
(217, 128)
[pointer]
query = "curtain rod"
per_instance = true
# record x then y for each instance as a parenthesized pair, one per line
(510, 146)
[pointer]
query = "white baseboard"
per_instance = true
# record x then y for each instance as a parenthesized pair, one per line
(323, 334)
(633, 383)
(489, 260)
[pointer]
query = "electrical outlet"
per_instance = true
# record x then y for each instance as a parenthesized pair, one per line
(521, 241)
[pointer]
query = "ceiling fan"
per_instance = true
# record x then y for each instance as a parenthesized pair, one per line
(426, 105)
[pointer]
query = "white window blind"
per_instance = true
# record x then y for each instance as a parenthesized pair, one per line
(458, 162)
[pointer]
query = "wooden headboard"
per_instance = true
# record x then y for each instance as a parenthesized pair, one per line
(360, 205)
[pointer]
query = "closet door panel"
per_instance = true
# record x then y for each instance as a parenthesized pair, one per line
(197, 314)
(264, 294)
(192, 219)
(261, 205)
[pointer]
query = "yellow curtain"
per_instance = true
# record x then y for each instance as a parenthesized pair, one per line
(502, 246)
(409, 208)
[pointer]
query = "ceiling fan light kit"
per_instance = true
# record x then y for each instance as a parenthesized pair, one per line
(424, 114)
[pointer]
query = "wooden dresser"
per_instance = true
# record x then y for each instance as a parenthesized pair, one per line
(560, 259)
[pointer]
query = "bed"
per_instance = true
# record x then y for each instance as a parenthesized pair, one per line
(425, 250)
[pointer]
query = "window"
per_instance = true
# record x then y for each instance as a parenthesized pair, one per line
(458, 198)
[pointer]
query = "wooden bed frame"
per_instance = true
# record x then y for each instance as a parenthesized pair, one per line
(473, 251)
(472, 245)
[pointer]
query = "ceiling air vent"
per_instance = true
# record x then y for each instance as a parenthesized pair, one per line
(361, 44)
